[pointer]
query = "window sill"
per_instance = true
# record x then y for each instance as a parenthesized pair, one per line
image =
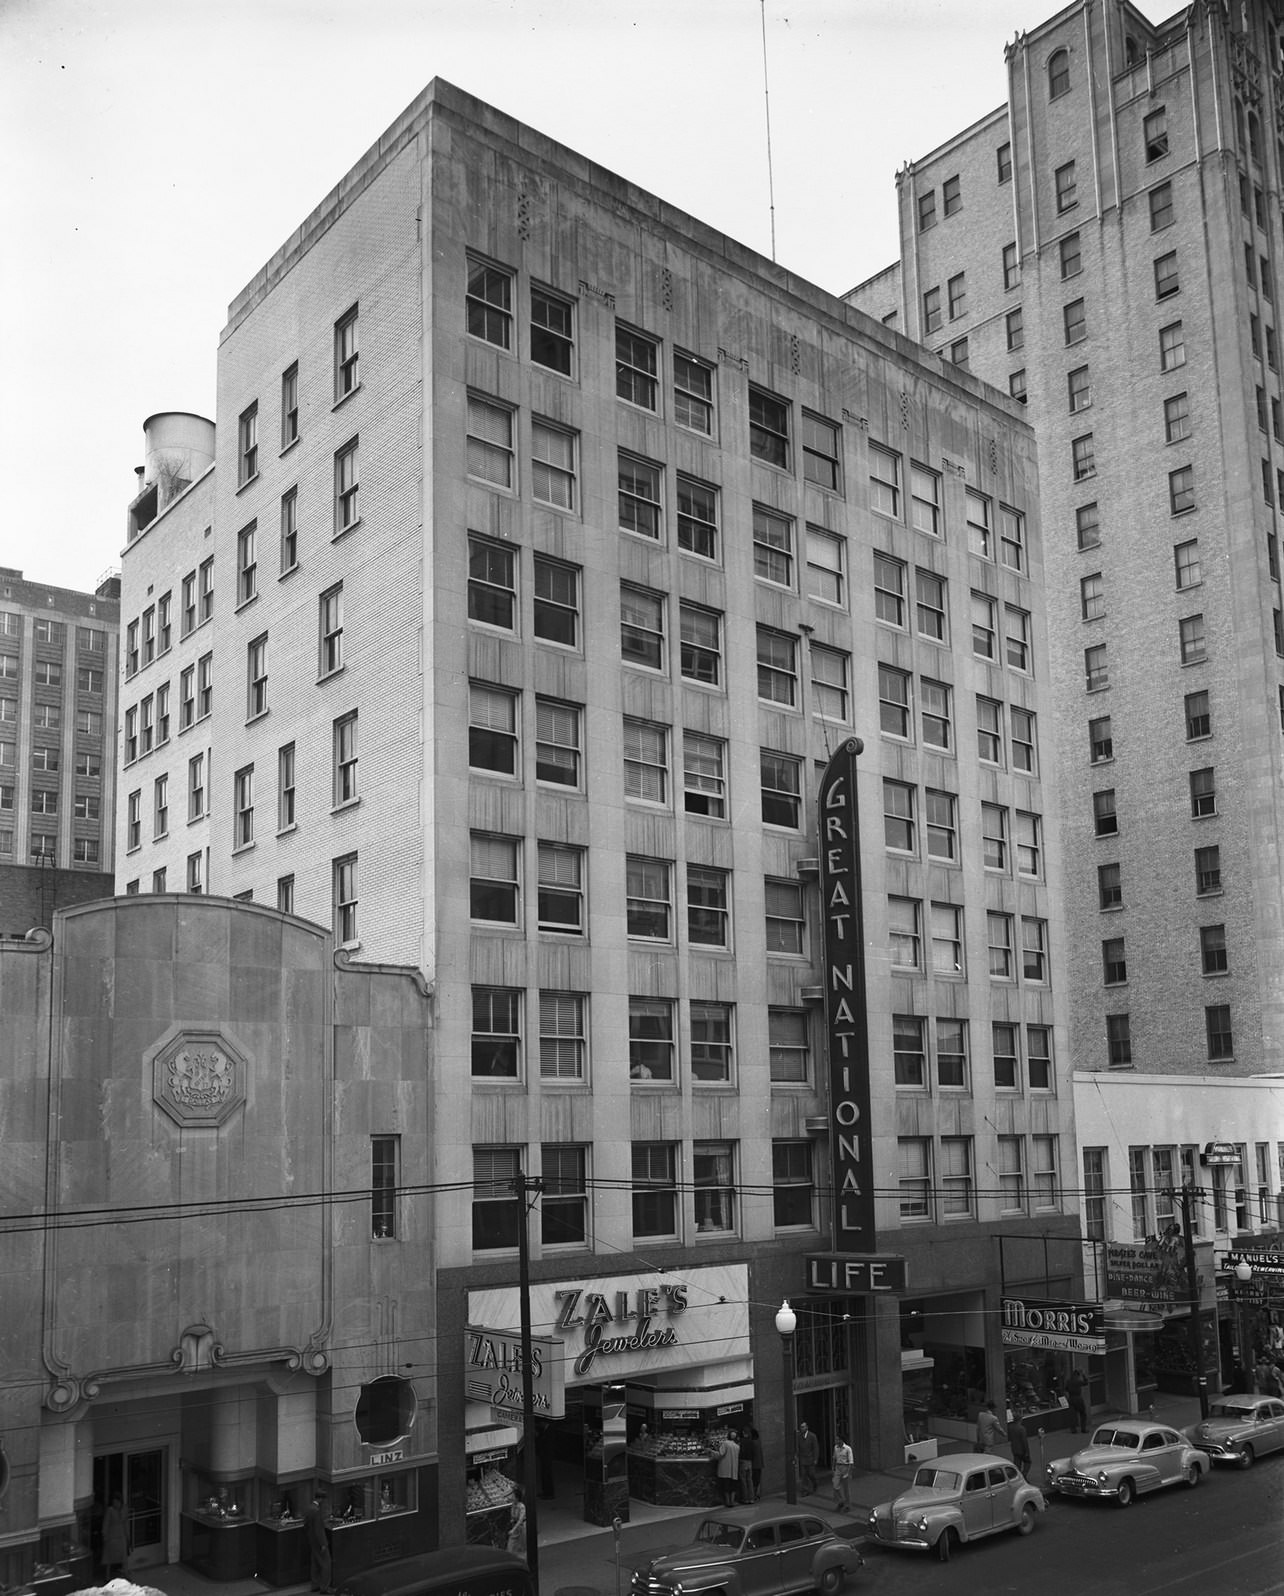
(329, 676)
(196, 820)
(244, 604)
(340, 533)
(245, 847)
(344, 397)
(252, 720)
(284, 831)
(348, 803)
(289, 571)
(293, 444)
(248, 483)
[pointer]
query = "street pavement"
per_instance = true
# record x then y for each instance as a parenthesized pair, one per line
(587, 1565)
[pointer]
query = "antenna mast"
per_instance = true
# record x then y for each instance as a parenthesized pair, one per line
(766, 101)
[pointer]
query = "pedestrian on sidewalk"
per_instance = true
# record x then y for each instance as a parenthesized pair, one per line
(1075, 1386)
(516, 1542)
(1019, 1441)
(989, 1428)
(753, 1446)
(808, 1456)
(318, 1540)
(843, 1460)
(728, 1468)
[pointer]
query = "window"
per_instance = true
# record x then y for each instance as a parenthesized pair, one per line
(692, 393)
(347, 510)
(563, 1037)
(773, 546)
(1011, 1174)
(703, 775)
(1172, 347)
(1114, 965)
(1079, 389)
(994, 836)
(289, 405)
(1006, 1062)
(131, 734)
(641, 501)
(700, 643)
(1043, 1172)
(1109, 887)
(1118, 1040)
(1105, 818)
(88, 764)
(1075, 321)
(204, 685)
(496, 1034)
(956, 291)
(787, 1045)
(1058, 73)
(1101, 743)
(189, 603)
(1198, 716)
(1167, 282)
(164, 624)
(1071, 256)
(1212, 949)
(492, 729)
(914, 1181)
(1092, 597)
(557, 743)
(497, 1213)
(641, 627)
(247, 445)
(553, 465)
(1181, 490)
(932, 310)
(952, 195)
(1191, 634)
(1185, 559)
(131, 650)
(330, 620)
(85, 806)
(998, 930)
(289, 530)
(979, 534)
(48, 673)
(826, 566)
(490, 442)
(934, 704)
(893, 701)
(1095, 668)
(1016, 634)
(650, 1039)
(344, 757)
(1203, 793)
(492, 583)
(889, 590)
(196, 787)
(383, 1186)
(1154, 134)
(904, 933)
(947, 939)
(989, 731)
(1014, 322)
(925, 500)
(793, 1185)
(777, 666)
(86, 851)
(1039, 1054)
(1083, 457)
(927, 210)
(711, 1061)
(908, 1057)
(822, 463)
(1016, 386)
(195, 871)
(646, 762)
(1087, 519)
(951, 1053)
(489, 302)
(284, 788)
(708, 907)
(697, 517)
(1011, 266)
(958, 354)
(1161, 207)
(561, 888)
(984, 627)
(186, 701)
(637, 362)
(44, 801)
(1003, 157)
(346, 373)
(564, 1207)
(884, 481)
(929, 605)
(149, 634)
(786, 918)
(1217, 1023)
(648, 898)
(256, 674)
(1176, 418)
(781, 781)
(243, 807)
(557, 602)
(1066, 187)
(552, 330)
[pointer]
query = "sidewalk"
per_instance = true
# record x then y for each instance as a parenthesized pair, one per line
(586, 1566)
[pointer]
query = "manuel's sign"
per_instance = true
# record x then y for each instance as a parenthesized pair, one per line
(846, 1025)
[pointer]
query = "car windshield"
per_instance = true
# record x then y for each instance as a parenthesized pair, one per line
(937, 1479)
(713, 1532)
(1129, 1439)
(1231, 1410)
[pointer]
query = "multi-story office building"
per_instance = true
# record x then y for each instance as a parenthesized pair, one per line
(1106, 248)
(558, 543)
(57, 745)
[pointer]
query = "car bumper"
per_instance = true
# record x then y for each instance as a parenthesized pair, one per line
(1221, 1451)
(1076, 1485)
(902, 1537)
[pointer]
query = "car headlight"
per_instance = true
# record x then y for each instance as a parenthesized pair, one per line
(919, 1525)
(1101, 1476)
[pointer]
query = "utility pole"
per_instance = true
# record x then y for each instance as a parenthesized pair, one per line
(522, 1186)
(1188, 1195)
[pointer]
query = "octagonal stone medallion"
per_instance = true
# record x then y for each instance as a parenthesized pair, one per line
(199, 1078)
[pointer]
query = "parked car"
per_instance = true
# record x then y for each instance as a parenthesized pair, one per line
(1240, 1428)
(961, 1497)
(1126, 1458)
(752, 1551)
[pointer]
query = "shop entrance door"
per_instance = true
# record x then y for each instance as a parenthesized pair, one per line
(138, 1478)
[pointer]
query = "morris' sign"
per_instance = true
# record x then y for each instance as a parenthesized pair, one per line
(1062, 1326)
(847, 1032)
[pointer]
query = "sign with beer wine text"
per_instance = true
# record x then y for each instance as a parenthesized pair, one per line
(846, 1026)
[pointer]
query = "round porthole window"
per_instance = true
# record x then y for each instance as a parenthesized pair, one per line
(386, 1410)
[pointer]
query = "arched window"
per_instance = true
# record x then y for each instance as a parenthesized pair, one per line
(1058, 73)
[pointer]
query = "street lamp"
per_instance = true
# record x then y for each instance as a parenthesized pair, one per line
(786, 1324)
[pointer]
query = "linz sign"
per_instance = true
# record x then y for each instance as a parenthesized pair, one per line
(851, 1138)
(855, 1277)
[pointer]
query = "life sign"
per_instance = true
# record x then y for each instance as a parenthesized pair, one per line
(855, 1277)
(846, 1026)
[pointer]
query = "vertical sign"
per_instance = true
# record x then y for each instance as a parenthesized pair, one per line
(846, 1025)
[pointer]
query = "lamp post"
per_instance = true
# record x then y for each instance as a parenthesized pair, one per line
(1243, 1275)
(786, 1324)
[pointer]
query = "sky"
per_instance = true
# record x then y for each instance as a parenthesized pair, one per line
(155, 153)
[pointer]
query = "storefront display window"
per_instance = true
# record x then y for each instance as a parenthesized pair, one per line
(1034, 1383)
(220, 1501)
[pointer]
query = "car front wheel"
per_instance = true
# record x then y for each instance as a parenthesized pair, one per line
(1025, 1524)
(946, 1544)
(1126, 1493)
(831, 1582)
(1246, 1458)
(1192, 1475)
